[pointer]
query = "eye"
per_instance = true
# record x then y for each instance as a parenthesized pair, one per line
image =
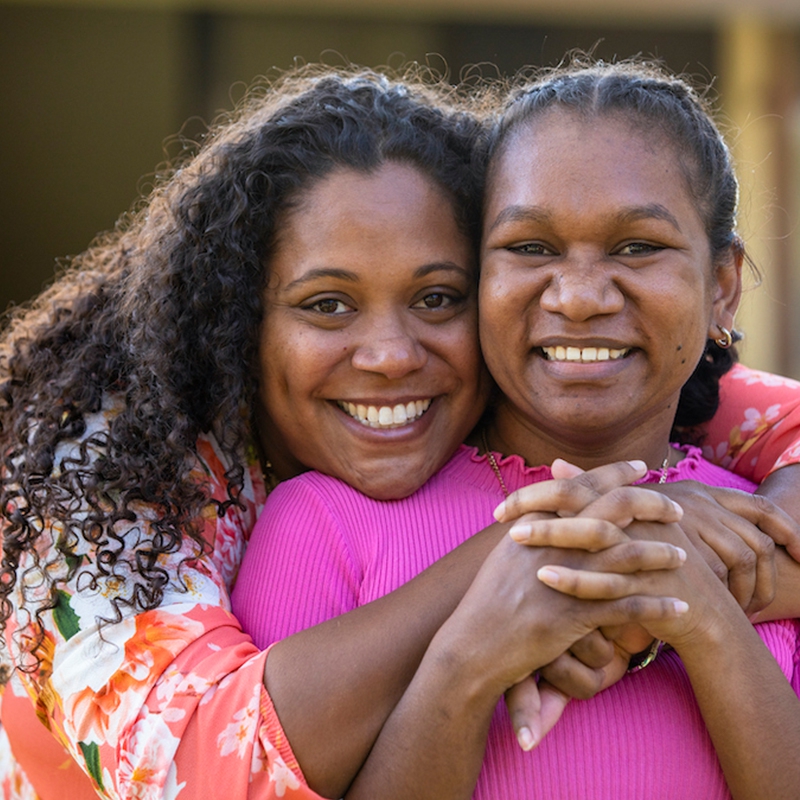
(329, 306)
(531, 249)
(638, 249)
(434, 300)
(440, 301)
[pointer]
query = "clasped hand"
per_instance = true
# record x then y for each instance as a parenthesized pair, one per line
(598, 538)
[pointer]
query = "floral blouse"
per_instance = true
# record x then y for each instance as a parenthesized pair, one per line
(170, 703)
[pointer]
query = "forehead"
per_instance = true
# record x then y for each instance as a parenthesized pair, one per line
(391, 184)
(353, 218)
(609, 155)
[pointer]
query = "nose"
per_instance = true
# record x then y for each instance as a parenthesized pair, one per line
(581, 289)
(391, 349)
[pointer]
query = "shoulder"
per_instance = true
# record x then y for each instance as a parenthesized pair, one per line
(740, 375)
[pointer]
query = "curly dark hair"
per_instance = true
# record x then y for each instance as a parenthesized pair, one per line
(164, 313)
(646, 95)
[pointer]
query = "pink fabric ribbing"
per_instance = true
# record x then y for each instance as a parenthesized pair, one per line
(321, 549)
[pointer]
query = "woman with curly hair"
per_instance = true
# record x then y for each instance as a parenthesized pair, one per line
(134, 445)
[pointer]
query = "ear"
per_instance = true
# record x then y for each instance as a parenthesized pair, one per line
(727, 291)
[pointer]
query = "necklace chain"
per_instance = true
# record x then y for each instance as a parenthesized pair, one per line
(493, 463)
(499, 475)
(665, 465)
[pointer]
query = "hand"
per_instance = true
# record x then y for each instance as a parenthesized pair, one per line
(711, 609)
(504, 611)
(736, 533)
(594, 662)
(602, 492)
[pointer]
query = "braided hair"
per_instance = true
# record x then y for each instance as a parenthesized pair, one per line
(651, 99)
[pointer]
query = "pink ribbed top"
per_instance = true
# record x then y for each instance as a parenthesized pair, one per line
(320, 549)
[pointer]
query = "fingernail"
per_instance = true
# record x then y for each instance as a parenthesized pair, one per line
(678, 507)
(638, 465)
(681, 553)
(525, 739)
(548, 576)
(500, 511)
(680, 607)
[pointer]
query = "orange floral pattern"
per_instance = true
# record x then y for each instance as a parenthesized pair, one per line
(145, 705)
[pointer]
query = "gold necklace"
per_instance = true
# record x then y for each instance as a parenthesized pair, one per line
(493, 463)
(665, 465)
(499, 475)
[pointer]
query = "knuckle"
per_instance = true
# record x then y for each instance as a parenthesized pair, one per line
(763, 505)
(588, 686)
(720, 570)
(591, 482)
(764, 546)
(635, 606)
(747, 559)
(514, 505)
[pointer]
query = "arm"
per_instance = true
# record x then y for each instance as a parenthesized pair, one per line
(756, 433)
(781, 488)
(333, 708)
(505, 627)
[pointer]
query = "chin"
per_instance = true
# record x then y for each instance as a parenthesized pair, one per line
(387, 490)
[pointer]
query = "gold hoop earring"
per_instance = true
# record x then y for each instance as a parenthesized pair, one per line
(726, 340)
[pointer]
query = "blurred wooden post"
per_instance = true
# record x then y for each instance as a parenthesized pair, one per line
(757, 83)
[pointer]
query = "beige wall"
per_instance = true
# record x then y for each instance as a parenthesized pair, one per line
(90, 91)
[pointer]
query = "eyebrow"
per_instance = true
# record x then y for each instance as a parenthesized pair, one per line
(352, 277)
(323, 272)
(518, 213)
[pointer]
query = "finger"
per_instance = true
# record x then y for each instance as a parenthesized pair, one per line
(534, 710)
(590, 585)
(765, 515)
(628, 639)
(524, 709)
(581, 533)
(593, 650)
(569, 496)
(553, 704)
(710, 556)
(636, 608)
(624, 504)
(629, 557)
(563, 469)
(749, 557)
(572, 677)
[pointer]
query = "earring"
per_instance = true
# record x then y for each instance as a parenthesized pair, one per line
(726, 340)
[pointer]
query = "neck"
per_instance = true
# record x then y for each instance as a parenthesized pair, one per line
(511, 434)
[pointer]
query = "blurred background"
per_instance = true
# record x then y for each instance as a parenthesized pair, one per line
(93, 91)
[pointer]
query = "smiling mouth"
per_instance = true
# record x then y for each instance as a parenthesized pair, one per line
(385, 416)
(584, 354)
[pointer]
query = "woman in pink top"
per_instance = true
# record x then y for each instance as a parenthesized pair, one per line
(131, 476)
(610, 276)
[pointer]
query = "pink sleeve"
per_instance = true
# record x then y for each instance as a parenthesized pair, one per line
(757, 427)
(298, 570)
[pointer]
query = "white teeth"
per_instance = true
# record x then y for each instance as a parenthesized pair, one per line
(560, 353)
(386, 416)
